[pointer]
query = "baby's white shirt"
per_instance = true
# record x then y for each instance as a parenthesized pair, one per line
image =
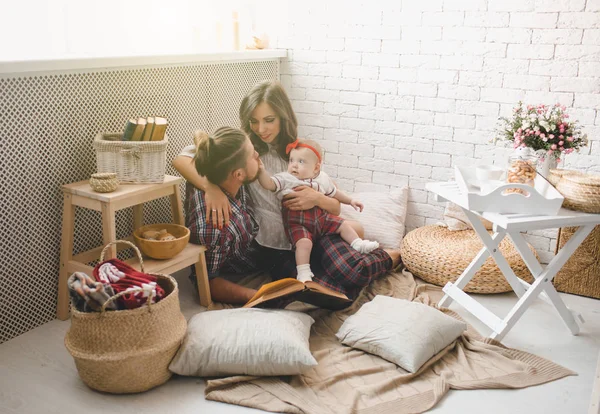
(286, 182)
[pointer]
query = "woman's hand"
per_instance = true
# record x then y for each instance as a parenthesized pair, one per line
(303, 198)
(217, 207)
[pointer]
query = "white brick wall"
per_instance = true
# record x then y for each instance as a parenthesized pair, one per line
(399, 92)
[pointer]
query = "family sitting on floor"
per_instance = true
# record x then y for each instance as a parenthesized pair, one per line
(250, 220)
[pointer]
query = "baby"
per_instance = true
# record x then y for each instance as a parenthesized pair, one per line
(304, 226)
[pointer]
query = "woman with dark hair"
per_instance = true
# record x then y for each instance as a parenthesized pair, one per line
(267, 116)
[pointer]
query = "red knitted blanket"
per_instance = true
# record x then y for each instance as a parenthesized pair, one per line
(128, 278)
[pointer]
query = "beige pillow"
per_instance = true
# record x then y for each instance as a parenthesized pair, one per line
(455, 219)
(383, 217)
(403, 332)
(260, 342)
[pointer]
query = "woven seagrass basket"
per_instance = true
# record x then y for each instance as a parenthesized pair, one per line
(132, 161)
(438, 255)
(104, 182)
(581, 274)
(128, 351)
(581, 192)
(555, 175)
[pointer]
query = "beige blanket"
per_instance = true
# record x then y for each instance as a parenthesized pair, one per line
(351, 381)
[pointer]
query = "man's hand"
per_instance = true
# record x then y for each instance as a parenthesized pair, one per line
(358, 206)
(303, 198)
(217, 207)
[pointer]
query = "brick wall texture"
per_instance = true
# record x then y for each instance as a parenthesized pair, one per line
(398, 92)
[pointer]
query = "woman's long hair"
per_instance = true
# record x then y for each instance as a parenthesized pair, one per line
(273, 94)
(220, 153)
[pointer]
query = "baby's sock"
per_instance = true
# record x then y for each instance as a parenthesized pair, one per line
(304, 273)
(364, 246)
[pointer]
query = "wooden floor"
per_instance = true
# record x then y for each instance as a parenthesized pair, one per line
(37, 375)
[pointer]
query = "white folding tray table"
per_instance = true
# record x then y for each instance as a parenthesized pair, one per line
(512, 225)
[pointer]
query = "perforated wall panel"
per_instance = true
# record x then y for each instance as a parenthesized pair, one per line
(47, 125)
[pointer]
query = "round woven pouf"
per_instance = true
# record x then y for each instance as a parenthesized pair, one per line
(438, 255)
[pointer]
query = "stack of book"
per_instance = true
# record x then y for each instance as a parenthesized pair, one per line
(151, 128)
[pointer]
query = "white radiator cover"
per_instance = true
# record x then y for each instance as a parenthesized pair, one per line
(47, 125)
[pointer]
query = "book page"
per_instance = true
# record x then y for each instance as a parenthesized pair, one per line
(277, 288)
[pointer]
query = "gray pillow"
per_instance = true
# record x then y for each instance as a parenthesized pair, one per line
(245, 342)
(405, 333)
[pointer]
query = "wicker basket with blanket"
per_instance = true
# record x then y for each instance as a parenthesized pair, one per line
(438, 255)
(128, 351)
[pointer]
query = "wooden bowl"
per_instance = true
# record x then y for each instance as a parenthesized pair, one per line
(162, 249)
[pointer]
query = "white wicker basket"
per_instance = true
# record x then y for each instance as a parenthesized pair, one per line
(133, 161)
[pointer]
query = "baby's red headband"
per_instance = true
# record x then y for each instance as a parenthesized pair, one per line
(298, 144)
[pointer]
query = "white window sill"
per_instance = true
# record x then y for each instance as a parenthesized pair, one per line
(17, 67)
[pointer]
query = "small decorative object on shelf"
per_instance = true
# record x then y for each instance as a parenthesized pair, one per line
(257, 41)
(544, 129)
(104, 182)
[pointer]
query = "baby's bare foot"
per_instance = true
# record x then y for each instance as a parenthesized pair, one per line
(395, 255)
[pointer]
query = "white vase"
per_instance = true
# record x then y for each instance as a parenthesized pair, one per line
(546, 163)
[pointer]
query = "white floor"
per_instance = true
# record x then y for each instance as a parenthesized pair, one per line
(37, 375)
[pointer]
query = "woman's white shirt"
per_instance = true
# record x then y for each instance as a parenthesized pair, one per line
(267, 207)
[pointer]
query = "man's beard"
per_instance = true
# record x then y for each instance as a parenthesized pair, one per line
(250, 180)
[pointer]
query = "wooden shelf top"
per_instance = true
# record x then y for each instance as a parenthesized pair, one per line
(188, 254)
(124, 191)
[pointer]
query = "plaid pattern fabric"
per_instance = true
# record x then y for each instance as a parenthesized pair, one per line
(345, 269)
(335, 265)
(310, 224)
(230, 249)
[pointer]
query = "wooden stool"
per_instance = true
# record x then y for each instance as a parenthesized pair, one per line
(80, 194)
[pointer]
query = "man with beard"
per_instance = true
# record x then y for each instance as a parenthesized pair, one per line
(228, 159)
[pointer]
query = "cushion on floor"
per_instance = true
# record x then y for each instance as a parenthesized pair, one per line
(400, 331)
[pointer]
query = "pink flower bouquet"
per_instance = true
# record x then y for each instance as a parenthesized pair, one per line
(544, 129)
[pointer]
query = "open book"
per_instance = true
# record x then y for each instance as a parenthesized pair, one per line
(285, 291)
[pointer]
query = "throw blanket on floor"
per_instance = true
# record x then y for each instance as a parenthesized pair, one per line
(351, 381)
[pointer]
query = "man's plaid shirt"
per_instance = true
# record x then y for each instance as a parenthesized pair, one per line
(231, 248)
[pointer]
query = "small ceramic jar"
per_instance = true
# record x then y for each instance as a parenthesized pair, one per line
(104, 182)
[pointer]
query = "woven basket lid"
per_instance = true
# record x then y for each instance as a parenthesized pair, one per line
(584, 179)
(561, 172)
(438, 255)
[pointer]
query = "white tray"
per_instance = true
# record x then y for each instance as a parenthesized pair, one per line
(542, 198)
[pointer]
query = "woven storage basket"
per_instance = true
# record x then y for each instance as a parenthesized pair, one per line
(438, 255)
(133, 161)
(581, 274)
(581, 192)
(128, 351)
(104, 182)
(555, 175)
